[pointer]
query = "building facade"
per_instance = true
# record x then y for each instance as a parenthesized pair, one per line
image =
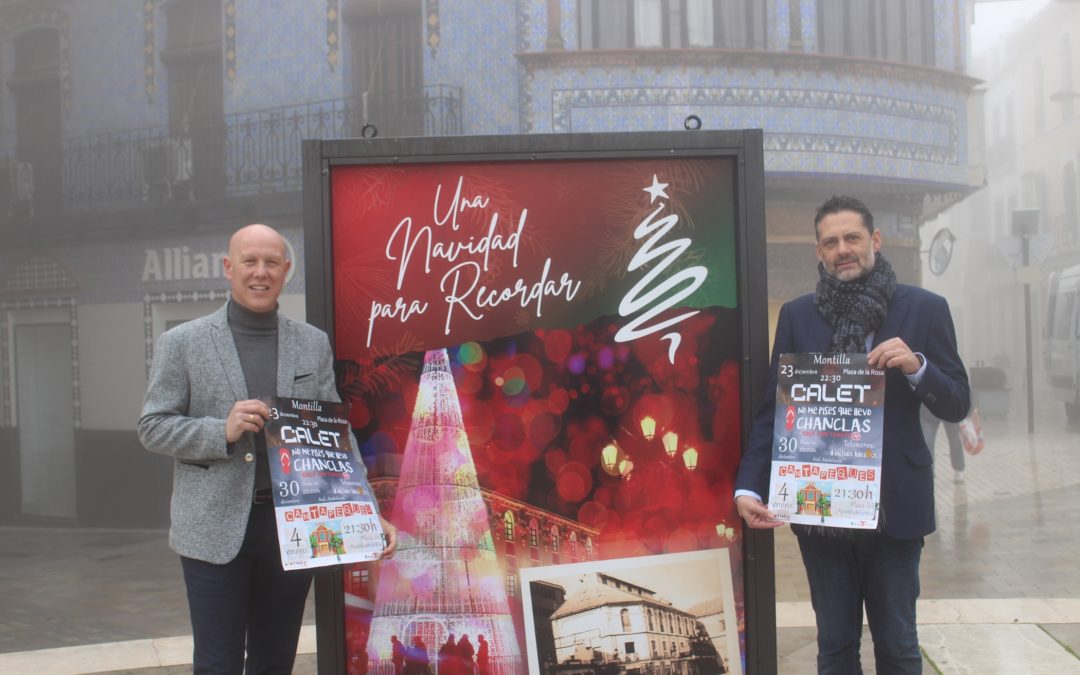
(1032, 156)
(856, 96)
(607, 620)
(135, 135)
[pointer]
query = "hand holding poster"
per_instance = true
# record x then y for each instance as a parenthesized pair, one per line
(827, 440)
(324, 514)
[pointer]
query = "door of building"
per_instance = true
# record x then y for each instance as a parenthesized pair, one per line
(46, 419)
(388, 65)
(196, 81)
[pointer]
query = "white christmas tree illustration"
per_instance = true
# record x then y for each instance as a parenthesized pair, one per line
(444, 577)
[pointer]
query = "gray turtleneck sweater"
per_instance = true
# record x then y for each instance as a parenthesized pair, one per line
(256, 338)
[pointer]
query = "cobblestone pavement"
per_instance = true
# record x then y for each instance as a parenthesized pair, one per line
(1000, 579)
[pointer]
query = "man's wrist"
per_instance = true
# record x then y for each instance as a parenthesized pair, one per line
(748, 493)
(915, 377)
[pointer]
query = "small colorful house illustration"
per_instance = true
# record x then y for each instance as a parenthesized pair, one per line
(322, 541)
(808, 499)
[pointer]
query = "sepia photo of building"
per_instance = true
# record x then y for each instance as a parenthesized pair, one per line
(633, 618)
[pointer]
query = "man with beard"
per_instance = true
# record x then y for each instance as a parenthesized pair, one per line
(908, 332)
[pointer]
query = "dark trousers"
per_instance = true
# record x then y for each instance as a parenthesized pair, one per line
(846, 572)
(249, 600)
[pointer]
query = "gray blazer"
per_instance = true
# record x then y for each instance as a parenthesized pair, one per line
(194, 381)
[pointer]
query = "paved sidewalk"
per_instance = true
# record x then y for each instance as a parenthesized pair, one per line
(1000, 576)
(1000, 580)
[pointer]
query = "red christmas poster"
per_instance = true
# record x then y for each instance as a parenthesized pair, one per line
(543, 363)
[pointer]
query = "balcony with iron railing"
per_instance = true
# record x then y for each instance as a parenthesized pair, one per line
(249, 153)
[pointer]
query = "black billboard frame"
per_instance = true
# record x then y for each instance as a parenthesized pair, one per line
(745, 145)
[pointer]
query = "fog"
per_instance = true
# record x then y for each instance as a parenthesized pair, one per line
(136, 135)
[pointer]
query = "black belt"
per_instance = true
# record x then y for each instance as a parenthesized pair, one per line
(262, 496)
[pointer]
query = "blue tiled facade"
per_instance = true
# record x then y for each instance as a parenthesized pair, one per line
(821, 115)
(476, 44)
(107, 69)
(281, 58)
(281, 48)
(104, 67)
(808, 9)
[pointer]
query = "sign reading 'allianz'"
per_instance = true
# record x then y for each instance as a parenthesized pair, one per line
(178, 263)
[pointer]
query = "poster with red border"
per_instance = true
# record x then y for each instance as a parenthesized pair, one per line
(827, 440)
(543, 362)
(324, 513)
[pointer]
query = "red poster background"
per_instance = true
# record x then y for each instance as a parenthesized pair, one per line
(542, 398)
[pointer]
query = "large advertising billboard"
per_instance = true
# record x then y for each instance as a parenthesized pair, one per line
(546, 359)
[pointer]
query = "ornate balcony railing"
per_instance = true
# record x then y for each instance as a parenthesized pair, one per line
(257, 152)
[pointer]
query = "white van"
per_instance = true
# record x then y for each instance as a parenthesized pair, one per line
(1061, 337)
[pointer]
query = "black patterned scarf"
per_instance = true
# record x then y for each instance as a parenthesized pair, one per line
(855, 308)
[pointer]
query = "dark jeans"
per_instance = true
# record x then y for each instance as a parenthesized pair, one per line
(871, 568)
(248, 600)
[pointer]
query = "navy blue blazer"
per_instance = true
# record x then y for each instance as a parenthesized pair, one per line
(922, 320)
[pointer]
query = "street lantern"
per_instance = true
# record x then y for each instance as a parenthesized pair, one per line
(671, 443)
(626, 466)
(689, 457)
(610, 457)
(648, 427)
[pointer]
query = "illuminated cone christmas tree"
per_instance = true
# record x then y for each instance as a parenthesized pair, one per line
(444, 577)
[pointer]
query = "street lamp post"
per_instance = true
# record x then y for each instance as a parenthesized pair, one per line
(1025, 224)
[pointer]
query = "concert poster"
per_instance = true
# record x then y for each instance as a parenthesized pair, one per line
(827, 440)
(325, 513)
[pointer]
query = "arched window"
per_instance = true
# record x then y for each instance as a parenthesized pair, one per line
(555, 538)
(573, 544)
(534, 533)
(625, 614)
(649, 613)
(588, 548)
(508, 526)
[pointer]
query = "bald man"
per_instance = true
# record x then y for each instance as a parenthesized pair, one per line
(202, 408)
